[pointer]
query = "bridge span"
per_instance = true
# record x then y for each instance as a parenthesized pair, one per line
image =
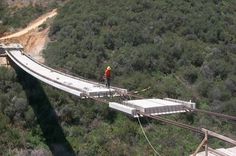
(85, 88)
(71, 84)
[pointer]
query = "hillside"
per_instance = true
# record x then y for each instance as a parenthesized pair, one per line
(25, 3)
(17, 14)
(180, 49)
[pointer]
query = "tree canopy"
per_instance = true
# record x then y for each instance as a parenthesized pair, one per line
(181, 49)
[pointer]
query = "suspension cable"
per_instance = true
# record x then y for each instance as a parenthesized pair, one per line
(229, 117)
(178, 124)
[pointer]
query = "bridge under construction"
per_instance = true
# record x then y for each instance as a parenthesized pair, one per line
(139, 107)
(88, 89)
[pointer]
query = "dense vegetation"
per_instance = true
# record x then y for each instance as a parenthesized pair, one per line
(14, 17)
(162, 41)
(181, 49)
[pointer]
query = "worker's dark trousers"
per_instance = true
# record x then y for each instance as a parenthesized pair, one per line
(108, 82)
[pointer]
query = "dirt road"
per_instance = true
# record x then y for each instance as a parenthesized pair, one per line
(32, 39)
(32, 25)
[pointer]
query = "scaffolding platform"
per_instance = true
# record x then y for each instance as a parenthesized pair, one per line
(152, 106)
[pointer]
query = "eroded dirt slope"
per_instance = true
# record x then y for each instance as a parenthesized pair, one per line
(34, 38)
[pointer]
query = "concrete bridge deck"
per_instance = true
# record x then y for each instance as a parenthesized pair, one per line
(68, 83)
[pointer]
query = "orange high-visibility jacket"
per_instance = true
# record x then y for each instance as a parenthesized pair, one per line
(108, 73)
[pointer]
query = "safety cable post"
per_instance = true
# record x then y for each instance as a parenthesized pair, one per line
(206, 143)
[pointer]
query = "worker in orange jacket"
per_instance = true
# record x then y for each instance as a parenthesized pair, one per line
(108, 76)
